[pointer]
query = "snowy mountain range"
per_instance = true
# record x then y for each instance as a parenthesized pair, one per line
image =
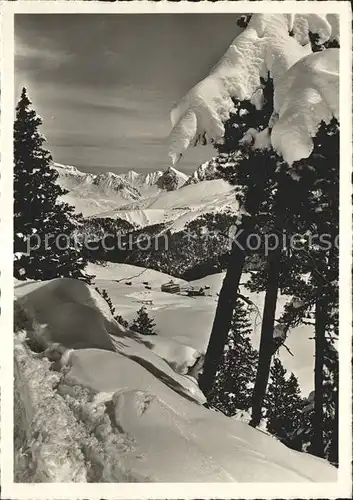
(169, 197)
(94, 193)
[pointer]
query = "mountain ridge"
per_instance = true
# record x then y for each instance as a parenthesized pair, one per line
(93, 193)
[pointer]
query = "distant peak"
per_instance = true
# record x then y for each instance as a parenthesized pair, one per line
(177, 172)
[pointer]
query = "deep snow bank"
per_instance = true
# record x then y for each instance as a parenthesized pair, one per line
(271, 44)
(69, 313)
(64, 437)
(124, 414)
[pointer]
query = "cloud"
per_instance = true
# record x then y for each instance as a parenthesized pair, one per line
(40, 55)
(105, 84)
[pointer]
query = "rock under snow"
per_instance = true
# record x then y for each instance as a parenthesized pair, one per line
(270, 44)
(205, 172)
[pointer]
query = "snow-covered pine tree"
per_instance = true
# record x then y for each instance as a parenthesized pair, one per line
(330, 392)
(256, 172)
(39, 218)
(283, 403)
(217, 104)
(143, 323)
(121, 320)
(252, 171)
(104, 294)
(323, 205)
(246, 115)
(310, 208)
(318, 46)
(305, 433)
(232, 388)
(314, 214)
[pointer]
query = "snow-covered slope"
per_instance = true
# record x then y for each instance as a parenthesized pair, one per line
(170, 197)
(93, 193)
(270, 44)
(176, 208)
(123, 414)
(189, 321)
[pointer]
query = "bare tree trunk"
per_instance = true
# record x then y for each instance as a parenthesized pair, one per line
(334, 454)
(225, 308)
(320, 326)
(266, 342)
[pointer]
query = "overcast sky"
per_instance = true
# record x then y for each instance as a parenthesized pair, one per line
(104, 84)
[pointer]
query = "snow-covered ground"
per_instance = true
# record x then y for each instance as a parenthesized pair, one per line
(123, 413)
(189, 320)
(179, 207)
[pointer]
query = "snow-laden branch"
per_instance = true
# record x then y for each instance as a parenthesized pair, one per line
(270, 45)
(306, 95)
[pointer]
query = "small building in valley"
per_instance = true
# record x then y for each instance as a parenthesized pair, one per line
(170, 287)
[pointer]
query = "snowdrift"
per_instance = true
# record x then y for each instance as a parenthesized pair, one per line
(68, 313)
(61, 433)
(270, 45)
(116, 411)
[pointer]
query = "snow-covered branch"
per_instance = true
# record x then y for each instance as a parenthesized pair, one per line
(270, 45)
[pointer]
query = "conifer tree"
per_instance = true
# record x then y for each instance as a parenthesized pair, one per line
(314, 214)
(246, 115)
(143, 323)
(283, 403)
(305, 434)
(330, 420)
(252, 172)
(44, 243)
(283, 210)
(234, 380)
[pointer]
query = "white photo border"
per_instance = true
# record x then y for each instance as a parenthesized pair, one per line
(45, 491)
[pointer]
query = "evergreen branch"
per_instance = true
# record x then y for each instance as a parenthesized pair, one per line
(250, 303)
